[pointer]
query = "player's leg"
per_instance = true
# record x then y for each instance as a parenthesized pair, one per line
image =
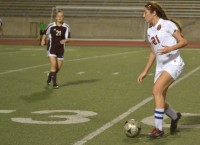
(175, 117)
(175, 72)
(53, 68)
(159, 92)
(60, 58)
(59, 64)
(171, 113)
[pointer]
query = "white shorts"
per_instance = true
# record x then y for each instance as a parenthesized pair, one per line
(174, 70)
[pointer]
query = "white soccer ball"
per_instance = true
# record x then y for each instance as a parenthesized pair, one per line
(132, 128)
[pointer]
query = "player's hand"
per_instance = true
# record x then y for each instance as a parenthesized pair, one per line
(64, 41)
(141, 77)
(164, 50)
(43, 42)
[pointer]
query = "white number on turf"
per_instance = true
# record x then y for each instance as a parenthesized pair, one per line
(77, 117)
(150, 121)
(7, 111)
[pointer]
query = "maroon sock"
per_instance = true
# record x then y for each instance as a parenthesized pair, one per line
(49, 77)
(53, 77)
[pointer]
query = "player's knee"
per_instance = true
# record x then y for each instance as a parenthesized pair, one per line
(57, 70)
(156, 90)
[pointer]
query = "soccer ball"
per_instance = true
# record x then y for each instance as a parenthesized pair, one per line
(132, 128)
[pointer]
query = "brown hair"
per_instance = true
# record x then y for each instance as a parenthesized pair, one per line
(154, 6)
(59, 11)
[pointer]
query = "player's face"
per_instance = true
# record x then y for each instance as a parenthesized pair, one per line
(148, 16)
(59, 17)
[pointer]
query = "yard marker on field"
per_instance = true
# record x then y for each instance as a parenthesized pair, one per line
(125, 114)
(7, 111)
(113, 122)
(80, 73)
(116, 73)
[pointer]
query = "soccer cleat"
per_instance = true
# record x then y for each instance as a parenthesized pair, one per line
(55, 86)
(155, 133)
(174, 123)
(48, 82)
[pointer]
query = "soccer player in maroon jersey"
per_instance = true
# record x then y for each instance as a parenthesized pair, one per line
(58, 34)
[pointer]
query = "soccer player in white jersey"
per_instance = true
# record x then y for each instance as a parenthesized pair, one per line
(58, 33)
(165, 38)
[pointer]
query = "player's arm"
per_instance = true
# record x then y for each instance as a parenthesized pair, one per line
(150, 62)
(181, 42)
(67, 39)
(46, 33)
(67, 36)
(43, 41)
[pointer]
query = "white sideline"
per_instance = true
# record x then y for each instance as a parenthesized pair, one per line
(86, 58)
(128, 112)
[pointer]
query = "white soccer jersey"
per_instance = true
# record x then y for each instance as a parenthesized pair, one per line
(161, 35)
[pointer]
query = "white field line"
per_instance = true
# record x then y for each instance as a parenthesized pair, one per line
(128, 112)
(79, 59)
(68, 49)
(21, 51)
(27, 50)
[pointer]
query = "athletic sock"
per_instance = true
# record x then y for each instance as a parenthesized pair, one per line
(53, 77)
(49, 77)
(171, 113)
(159, 114)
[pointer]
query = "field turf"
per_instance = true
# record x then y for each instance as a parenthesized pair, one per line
(98, 93)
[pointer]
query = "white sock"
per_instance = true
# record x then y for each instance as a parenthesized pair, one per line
(159, 114)
(171, 113)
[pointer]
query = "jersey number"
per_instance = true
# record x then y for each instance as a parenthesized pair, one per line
(155, 40)
(58, 33)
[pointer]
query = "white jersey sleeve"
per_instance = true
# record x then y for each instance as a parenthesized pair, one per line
(49, 27)
(171, 26)
(67, 33)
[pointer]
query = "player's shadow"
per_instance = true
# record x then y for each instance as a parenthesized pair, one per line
(46, 93)
(79, 82)
(38, 96)
(134, 140)
(143, 139)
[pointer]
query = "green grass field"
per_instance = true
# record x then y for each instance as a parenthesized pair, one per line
(98, 93)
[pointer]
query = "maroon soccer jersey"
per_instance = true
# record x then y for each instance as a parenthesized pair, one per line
(56, 34)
